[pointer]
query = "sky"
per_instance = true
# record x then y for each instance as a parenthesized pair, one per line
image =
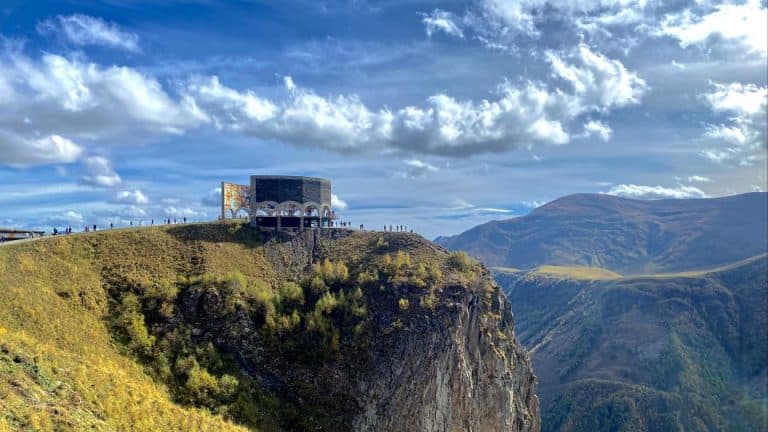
(438, 115)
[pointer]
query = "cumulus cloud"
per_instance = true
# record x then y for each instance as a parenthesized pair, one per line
(50, 103)
(415, 168)
(656, 192)
(338, 203)
(526, 114)
(62, 97)
(600, 82)
(598, 129)
(742, 25)
(67, 218)
(24, 151)
(135, 197)
(743, 138)
(82, 30)
(442, 21)
(99, 172)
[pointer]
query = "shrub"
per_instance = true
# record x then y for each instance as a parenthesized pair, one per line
(461, 261)
(131, 323)
(381, 244)
(291, 294)
(403, 304)
(428, 301)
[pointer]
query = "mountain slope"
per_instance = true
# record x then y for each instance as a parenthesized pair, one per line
(624, 235)
(212, 327)
(671, 352)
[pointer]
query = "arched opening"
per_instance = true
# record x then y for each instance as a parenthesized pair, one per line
(242, 213)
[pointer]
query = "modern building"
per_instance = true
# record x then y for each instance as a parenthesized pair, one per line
(280, 202)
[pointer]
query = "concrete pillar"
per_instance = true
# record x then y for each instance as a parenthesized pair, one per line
(279, 227)
(301, 223)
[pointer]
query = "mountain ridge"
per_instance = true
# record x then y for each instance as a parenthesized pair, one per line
(624, 235)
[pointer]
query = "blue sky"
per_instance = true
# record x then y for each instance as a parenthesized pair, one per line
(437, 115)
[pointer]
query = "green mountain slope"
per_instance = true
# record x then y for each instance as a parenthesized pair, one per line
(675, 352)
(624, 235)
(212, 327)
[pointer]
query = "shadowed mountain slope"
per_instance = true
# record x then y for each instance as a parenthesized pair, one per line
(675, 352)
(624, 235)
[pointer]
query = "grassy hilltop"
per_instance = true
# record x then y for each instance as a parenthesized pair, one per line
(209, 327)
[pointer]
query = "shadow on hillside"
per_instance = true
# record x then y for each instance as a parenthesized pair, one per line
(220, 233)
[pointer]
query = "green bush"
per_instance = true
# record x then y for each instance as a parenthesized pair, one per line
(461, 261)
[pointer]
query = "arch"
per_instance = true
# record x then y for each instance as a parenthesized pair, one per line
(242, 212)
(325, 210)
(311, 209)
(290, 208)
(266, 208)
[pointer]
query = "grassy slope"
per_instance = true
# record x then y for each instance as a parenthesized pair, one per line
(679, 351)
(59, 368)
(63, 366)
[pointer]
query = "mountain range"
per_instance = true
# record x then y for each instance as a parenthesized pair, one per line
(639, 315)
(623, 235)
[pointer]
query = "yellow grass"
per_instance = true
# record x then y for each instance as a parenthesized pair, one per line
(574, 272)
(58, 367)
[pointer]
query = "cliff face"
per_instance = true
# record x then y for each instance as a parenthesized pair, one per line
(322, 331)
(461, 370)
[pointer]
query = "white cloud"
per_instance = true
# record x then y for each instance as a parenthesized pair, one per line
(99, 172)
(519, 115)
(441, 21)
(338, 203)
(743, 25)
(84, 30)
(599, 129)
(132, 211)
(743, 138)
(135, 197)
(698, 179)
(18, 150)
(656, 192)
(175, 212)
(415, 168)
(600, 82)
(81, 100)
(66, 219)
(55, 101)
(533, 204)
(212, 198)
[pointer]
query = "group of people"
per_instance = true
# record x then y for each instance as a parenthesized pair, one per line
(94, 227)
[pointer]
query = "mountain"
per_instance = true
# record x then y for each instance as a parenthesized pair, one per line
(624, 235)
(673, 352)
(215, 327)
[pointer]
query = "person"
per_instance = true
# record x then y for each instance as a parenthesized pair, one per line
(131, 223)
(185, 219)
(152, 222)
(2, 238)
(55, 231)
(94, 227)
(111, 225)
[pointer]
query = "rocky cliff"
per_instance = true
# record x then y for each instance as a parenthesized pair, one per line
(321, 331)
